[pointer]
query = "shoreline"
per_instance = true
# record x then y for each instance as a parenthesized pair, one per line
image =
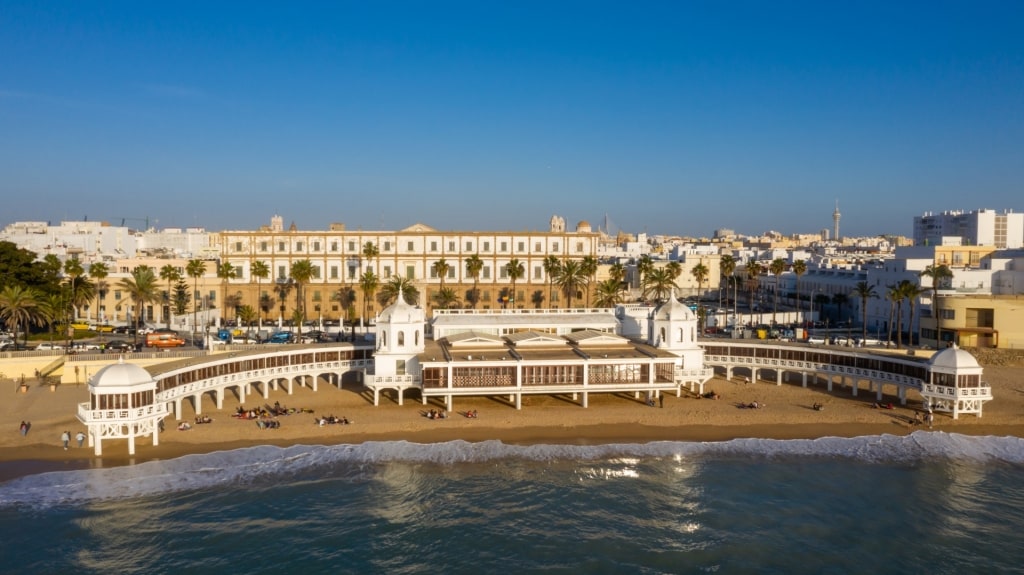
(609, 419)
(31, 460)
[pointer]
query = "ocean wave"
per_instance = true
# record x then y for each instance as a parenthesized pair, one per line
(251, 464)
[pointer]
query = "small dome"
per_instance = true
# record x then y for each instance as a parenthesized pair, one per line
(953, 358)
(120, 375)
(583, 226)
(674, 310)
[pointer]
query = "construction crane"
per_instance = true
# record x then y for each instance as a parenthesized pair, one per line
(145, 220)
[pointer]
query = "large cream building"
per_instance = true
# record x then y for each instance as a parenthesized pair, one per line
(339, 262)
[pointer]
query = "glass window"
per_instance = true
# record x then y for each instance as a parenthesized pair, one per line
(410, 272)
(351, 246)
(263, 246)
(469, 246)
(408, 246)
(280, 246)
(334, 272)
(487, 246)
(504, 246)
(521, 247)
(451, 246)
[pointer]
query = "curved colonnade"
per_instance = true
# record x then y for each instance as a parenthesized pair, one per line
(836, 366)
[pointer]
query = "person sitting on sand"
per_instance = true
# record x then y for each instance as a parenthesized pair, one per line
(818, 407)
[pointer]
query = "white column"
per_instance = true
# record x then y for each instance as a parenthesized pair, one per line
(241, 395)
(131, 440)
(198, 400)
(401, 394)
(156, 432)
(94, 434)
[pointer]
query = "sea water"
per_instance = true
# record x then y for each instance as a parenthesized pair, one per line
(929, 502)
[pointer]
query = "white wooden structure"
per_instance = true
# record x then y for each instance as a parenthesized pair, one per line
(122, 404)
(400, 338)
(954, 383)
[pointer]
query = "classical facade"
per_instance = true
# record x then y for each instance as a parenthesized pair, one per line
(340, 258)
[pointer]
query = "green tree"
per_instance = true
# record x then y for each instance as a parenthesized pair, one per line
(864, 291)
(180, 298)
(777, 266)
(754, 271)
(260, 271)
(19, 308)
(940, 274)
(799, 269)
(72, 271)
(195, 270)
(225, 273)
(440, 268)
(660, 283)
(141, 287)
(727, 265)
(398, 284)
(446, 298)
(51, 309)
(893, 295)
(368, 284)
(589, 267)
(609, 293)
(515, 270)
(248, 315)
(474, 265)
(370, 252)
(99, 272)
(911, 292)
(18, 267)
(171, 275)
(302, 271)
(551, 269)
(570, 278)
(840, 299)
(643, 268)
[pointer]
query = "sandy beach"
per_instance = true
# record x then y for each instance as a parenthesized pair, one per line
(619, 418)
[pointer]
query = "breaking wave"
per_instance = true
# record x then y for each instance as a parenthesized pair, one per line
(270, 463)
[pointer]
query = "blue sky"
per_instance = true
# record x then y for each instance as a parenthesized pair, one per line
(675, 117)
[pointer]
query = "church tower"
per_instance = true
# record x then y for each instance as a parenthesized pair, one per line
(673, 328)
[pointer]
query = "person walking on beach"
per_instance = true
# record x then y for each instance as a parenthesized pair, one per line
(931, 419)
(23, 429)
(65, 438)
(80, 437)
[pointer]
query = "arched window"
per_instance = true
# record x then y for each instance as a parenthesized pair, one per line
(661, 335)
(681, 335)
(416, 337)
(401, 338)
(383, 338)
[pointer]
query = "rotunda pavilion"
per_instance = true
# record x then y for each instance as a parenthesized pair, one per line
(122, 404)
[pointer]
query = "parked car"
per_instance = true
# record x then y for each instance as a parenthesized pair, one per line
(125, 330)
(102, 328)
(48, 346)
(118, 346)
(282, 337)
(80, 325)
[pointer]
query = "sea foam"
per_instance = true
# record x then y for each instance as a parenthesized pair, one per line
(246, 465)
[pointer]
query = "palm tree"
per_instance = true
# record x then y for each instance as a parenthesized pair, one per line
(754, 271)
(141, 288)
(940, 274)
(72, 271)
(589, 267)
(474, 265)
(441, 268)
(283, 287)
(728, 267)
(247, 315)
(515, 270)
(395, 285)
(643, 268)
(51, 309)
(609, 293)
(892, 293)
(98, 271)
(233, 301)
(446, 298)
(660, 283)
(18, 307)
(302, 271)
(864, 291)
(551, 268)
(260, 271)
(370, 251)
(799, 269)
(225, 272)
(195, 270)
(368, 283)
(570, 278)
(169, 274)
(777, 266)
(911, 292)
(840, 299)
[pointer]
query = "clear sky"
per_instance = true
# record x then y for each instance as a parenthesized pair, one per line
(676, 117)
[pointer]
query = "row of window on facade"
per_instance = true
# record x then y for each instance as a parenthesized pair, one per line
(410, 247)
(410, 272)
